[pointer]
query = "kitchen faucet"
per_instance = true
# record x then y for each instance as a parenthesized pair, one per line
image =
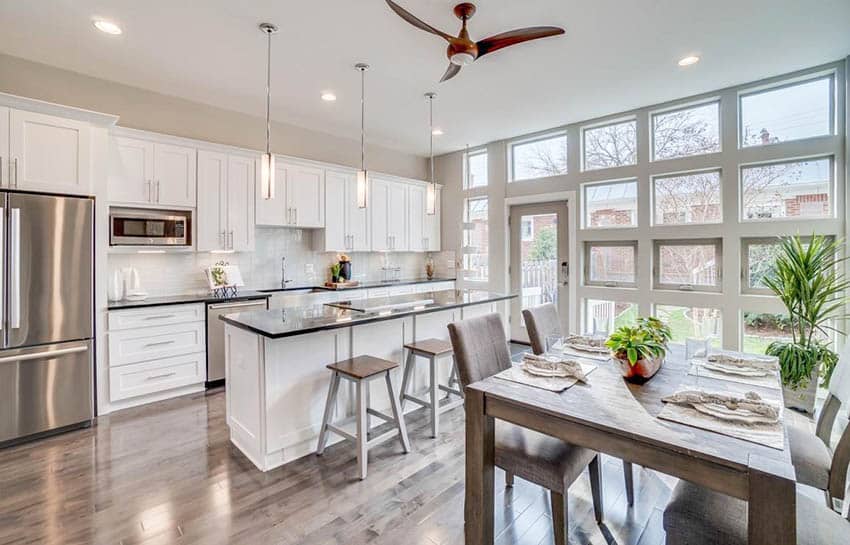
(283, 280)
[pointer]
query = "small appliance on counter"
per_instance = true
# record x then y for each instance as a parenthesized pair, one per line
(124, 284)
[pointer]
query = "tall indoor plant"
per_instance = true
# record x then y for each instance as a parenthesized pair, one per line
(807, 278)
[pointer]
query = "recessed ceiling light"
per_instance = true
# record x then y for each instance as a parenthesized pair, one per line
(437, 132)
(689, 60)
(107, 27)
(327, 96)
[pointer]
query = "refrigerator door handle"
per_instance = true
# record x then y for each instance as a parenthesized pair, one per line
(2, 267)
(44, 355)
(15, 270)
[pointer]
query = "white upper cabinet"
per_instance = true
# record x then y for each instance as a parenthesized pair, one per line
(152, 173)
(388, 202)
(432, 226)
(45, 152)
(416, 218)
(346, 224)
(5, 161)
(299, 197)
(226, 192)
(273, 212)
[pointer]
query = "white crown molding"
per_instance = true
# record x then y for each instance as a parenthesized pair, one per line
(50, 108)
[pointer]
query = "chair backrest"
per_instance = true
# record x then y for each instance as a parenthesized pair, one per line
(480, 348)
(541, 321)
(839, 394)
(839, 385)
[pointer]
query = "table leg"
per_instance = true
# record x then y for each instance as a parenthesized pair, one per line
(772, 505)
(480, 455)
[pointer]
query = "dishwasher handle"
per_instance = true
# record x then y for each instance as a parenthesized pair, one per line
(228, 306)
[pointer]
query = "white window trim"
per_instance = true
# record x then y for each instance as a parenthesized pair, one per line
(790, 82)
(608, 123)
(548, 135)
(465, 247)
(652, 179)
(833, 206)
(585, 224)
(603, 243)
(472, 152)
(679, 108)
(656, 264)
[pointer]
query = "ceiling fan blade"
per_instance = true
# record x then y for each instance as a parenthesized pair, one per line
(451, 72)
(418, 23)
(513, 37)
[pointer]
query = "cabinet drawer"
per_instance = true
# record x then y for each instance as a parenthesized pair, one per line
(437, 286)
(377, 292)
(156, 376)
(155, 316)
(402, 290)
(147, 343)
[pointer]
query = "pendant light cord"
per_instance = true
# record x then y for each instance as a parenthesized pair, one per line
(431, 125)
(362, 118)
(268, 93)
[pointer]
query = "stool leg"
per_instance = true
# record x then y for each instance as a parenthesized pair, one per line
(405, 381)
(330, 404)
(368, 391)
(435, 400)
(397, 414)
(452, 379)
(362, 446)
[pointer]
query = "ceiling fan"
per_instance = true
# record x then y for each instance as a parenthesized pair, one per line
(462, 50)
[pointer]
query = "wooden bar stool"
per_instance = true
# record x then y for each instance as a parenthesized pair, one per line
(432, 350)
(361, 370)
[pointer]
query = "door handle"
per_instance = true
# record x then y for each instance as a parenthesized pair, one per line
(15, 270)
(45, 354)
(236, 305)
(2, 265)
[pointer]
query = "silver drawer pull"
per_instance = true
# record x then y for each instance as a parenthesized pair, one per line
(160, 343)
(160, 317)
(163, 375)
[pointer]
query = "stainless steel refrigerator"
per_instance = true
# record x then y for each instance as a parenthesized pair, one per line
(46, 314)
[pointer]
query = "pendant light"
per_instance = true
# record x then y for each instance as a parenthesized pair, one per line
(431, 194)
(362, 176)
(267, 164)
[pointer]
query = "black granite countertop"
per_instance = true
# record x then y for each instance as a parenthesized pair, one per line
(244, 295)
(292, 321)
(362, 285)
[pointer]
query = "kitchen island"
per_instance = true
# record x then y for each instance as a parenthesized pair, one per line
(276, 379)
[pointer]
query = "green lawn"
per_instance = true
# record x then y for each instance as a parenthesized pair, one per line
(682, 327)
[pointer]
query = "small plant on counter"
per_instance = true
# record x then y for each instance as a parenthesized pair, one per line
(335, 268)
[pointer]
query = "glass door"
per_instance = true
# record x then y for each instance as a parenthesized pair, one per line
(539, 270)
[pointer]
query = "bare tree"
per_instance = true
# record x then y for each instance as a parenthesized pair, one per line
(685, 132)
(610, 146)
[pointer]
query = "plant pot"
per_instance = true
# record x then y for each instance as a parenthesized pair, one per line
(802, 399)
(335, 279)
(641, 371)
(345, 270)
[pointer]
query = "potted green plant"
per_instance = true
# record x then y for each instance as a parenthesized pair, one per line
(335, 268)
(638, 350)
(659, 331)
(807, 278)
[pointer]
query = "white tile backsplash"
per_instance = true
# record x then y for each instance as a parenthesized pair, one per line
(179, 273)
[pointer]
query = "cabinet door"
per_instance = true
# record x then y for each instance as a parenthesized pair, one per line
(356, 218)
(273, 212)
(305, 189)
(4, 147)
(416, 218)
(241, 189)
(432, 226)
(49, 153)
(174, 175)
(130, 171)
(397, 216)
(336, 234)
(212, 201)
(379, 201)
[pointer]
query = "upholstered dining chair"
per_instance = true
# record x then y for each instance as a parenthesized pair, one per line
(541, 322)
(481, 350)
(817, 461)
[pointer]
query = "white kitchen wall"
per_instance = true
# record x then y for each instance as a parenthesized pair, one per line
(182, 272)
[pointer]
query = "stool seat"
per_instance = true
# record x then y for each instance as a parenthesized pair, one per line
(431, 347)
(361, 367)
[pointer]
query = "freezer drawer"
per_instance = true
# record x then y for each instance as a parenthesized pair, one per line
(44, 388)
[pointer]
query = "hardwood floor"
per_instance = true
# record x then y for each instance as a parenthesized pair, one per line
(166, 473)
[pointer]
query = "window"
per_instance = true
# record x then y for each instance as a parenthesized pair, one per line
(789, 112)
(687, 198)
(539, 157)
(607, 146)
(476, 240)
(611, 204)
(610, 264)
(527, 228)
(757, 258)
(787, 190)
(694, 130)
(688, 264)
(476, 169)
(692, 322)
(603, 317)
(761, 329)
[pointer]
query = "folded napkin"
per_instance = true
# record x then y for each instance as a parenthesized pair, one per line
(586, 343)
(750, 409)
(753, 361)
(552, 366)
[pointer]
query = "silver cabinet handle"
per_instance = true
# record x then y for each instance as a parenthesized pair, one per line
(296, 215)
(236, 305)
(148, 185)
(230, 244)
(163, 375)
(2, 265)
(221, 239)
(160, 343)
(45, 354)
(15, 162)
(157, 191)
(161, 317)
(15, 270)
(1, 170)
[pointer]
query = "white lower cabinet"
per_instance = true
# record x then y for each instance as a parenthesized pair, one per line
(156, 352)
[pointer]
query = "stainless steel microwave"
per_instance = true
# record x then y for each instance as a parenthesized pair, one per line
(143, 227)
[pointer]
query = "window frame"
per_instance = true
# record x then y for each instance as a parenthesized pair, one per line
(619, 121)
(680, 108)
(589, 327)
(548, 135)
(784, 84)
(717, 307)
(465, 244)
(833, 206)
(680, 174)
(746, 242)
(588, 244)
(687, 288)
(466, 170)
(585, 224)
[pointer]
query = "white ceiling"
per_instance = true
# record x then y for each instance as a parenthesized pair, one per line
(616, 55)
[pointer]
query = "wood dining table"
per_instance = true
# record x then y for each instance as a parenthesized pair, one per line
(614, 417)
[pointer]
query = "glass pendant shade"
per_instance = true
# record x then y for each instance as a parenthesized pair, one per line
(431, 200)
(362, 184)
(267, 176)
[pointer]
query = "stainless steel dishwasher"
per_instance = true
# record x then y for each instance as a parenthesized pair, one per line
(215, 335)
